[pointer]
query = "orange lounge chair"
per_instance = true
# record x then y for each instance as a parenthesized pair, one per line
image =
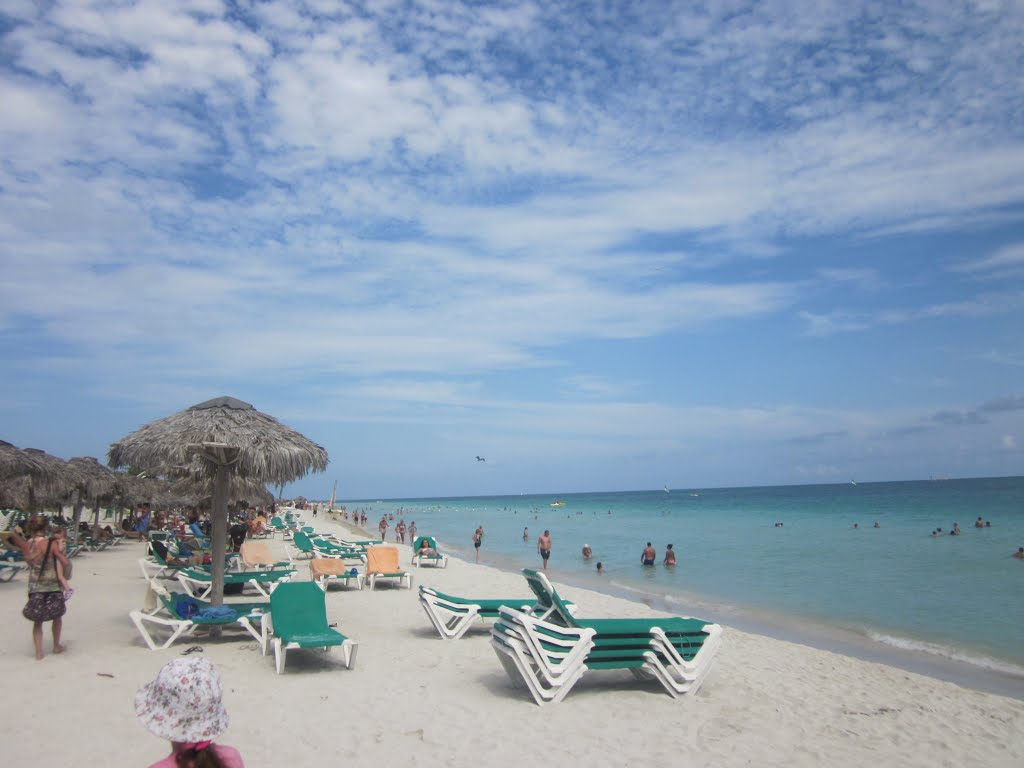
(382, 563)
(256, 555)
(324, 569)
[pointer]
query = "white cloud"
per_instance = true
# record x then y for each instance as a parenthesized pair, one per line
(421, 194)
(1008, 256)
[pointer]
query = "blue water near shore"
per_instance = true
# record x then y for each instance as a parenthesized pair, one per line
(949, 606)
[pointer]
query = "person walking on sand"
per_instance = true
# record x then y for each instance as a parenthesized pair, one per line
(478, 539)
(649, 555)
(184, 706)
(46, 598)
(544, 547)
(382, 526)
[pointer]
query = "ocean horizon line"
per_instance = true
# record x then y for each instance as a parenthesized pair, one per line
(688, 489)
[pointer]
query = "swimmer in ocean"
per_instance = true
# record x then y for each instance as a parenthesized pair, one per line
(649, 555)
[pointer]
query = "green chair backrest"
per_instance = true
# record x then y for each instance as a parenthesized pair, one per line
(547, 598)
(298, 607)
(430, 543)
(302, 542)
(277, 522)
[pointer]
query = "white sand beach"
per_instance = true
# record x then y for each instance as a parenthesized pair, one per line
(415, 699)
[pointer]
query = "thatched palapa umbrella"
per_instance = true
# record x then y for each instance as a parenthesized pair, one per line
(224, 436)
(17, 463)
(93, 481)
(57, 476)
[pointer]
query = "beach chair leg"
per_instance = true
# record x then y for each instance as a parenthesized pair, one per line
(350, 649)
(279, 654)
(259, 588)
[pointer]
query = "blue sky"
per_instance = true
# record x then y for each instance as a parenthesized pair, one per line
(607, 248)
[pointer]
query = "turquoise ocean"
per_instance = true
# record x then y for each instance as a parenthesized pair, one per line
(948, 606)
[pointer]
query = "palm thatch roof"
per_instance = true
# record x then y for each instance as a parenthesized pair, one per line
(56, 470)
(17, 463)
(91, 477)
(221, 438)
(266, 449)
(200, 489)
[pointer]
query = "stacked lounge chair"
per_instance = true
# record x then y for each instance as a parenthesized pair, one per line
(549, 655)
(452, 616)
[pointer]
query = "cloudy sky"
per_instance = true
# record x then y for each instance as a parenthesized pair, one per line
(605, 246)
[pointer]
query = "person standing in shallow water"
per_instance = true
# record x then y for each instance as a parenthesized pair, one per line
(670, 555)
(544, 547)
(478, 539)
(649, 555)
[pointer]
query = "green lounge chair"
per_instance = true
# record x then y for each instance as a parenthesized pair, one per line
(561, 614)
(298, 619)
(549, 655)
(453, 616)
(181, 622)
(306, 546)
(434, 557)
(196, 580)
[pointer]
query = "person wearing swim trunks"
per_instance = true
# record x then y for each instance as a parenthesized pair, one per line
(649, 555)
(544, 547)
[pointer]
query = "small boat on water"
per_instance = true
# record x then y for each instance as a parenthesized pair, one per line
(557, 504)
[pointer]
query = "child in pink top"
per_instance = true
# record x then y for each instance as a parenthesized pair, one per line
(183, 705)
